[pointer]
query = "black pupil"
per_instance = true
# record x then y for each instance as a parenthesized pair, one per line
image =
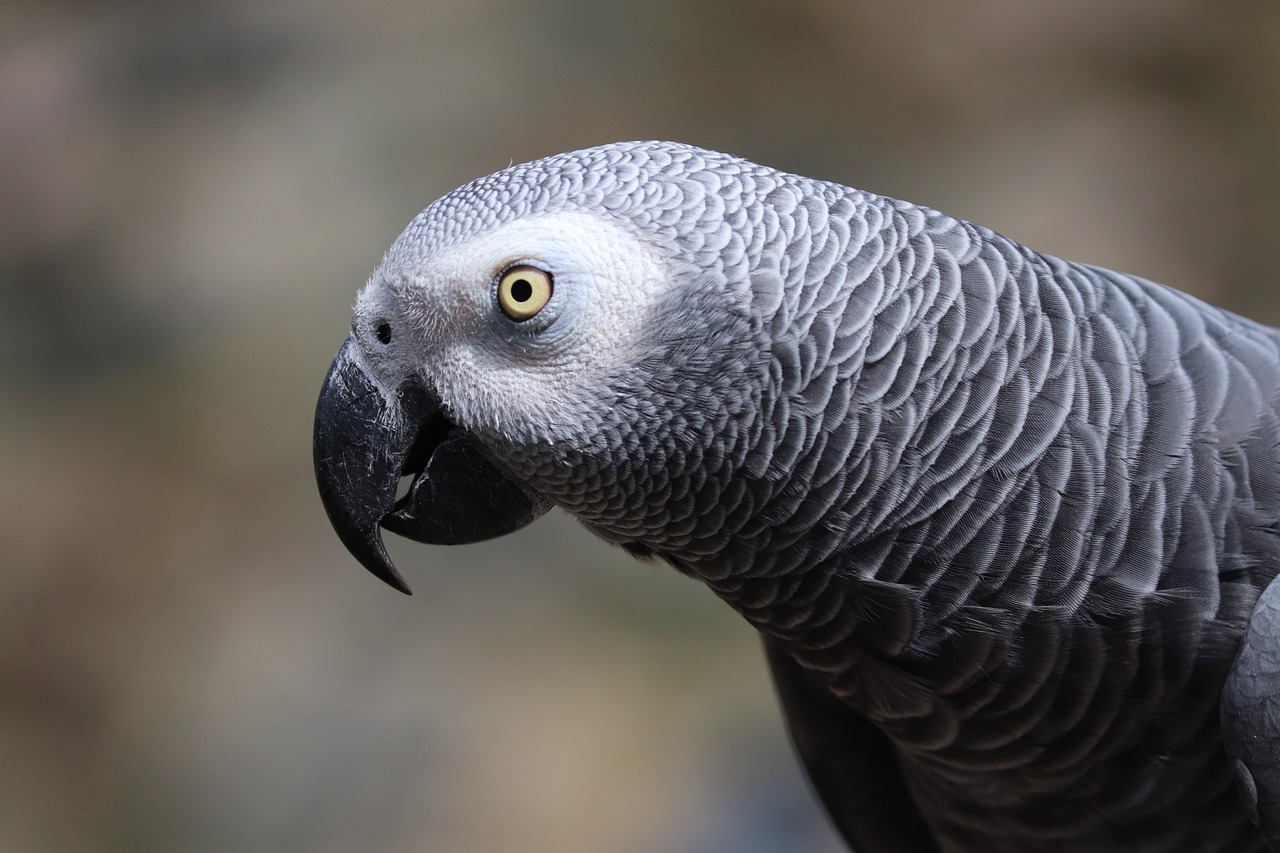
(384, 332)
(521, 290)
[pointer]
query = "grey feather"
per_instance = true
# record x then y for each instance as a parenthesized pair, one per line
(1009, 514)
(1251, 715)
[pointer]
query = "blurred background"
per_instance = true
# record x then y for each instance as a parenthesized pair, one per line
(190, 196)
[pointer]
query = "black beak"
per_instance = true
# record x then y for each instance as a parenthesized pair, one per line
(364, 444)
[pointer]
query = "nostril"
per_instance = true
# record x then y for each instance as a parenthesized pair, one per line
(383, 331)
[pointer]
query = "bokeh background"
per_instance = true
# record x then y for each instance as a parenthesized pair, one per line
(190, 196)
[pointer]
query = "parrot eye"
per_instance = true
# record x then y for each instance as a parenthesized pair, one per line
(383, 332)
(523, 291)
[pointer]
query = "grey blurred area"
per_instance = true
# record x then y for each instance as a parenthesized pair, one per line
(190, 196)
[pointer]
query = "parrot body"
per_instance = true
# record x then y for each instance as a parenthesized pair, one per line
(1002, 520)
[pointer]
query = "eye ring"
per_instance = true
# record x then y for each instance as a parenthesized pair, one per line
(523, 291)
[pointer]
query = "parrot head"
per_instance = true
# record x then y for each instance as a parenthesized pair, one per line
(580, 331)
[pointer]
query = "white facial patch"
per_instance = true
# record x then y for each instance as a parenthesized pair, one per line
(490, 369)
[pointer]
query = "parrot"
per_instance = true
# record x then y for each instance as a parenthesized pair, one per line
(1007, 525)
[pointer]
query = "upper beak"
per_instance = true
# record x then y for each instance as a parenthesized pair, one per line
(364, 444)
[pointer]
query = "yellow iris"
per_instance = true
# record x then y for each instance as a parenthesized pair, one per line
(523, 292)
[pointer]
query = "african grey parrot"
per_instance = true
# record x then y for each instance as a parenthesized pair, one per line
(1007, 524)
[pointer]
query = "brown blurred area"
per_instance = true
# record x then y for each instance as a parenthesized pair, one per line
(190, 196)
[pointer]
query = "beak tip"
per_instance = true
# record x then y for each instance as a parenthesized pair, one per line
(372, 554)
(395, 581)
